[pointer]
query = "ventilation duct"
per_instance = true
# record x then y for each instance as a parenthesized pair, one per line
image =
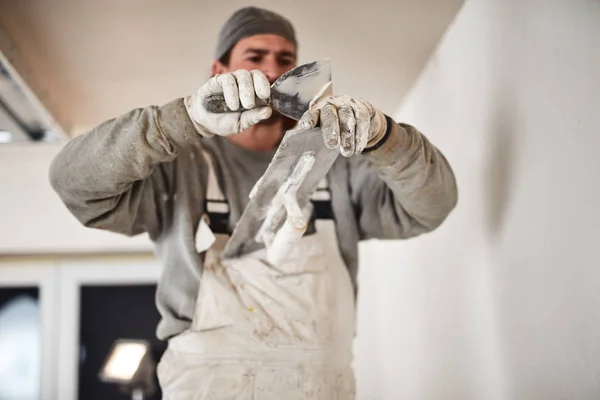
(19, 119)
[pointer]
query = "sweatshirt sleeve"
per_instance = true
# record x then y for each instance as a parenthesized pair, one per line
(115, 176)
(403, 188)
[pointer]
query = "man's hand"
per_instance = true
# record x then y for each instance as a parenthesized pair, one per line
(240, 88)
(350, 123)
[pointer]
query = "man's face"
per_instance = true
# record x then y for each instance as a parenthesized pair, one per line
(271, 54)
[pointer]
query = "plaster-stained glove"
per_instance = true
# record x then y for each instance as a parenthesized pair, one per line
(240, 88)
(350, 123)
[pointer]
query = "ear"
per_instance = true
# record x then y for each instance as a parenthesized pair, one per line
(217, 68)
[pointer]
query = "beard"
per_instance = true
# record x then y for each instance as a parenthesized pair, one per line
(276, 118)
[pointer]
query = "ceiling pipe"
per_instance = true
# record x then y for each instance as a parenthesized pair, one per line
(35, 133)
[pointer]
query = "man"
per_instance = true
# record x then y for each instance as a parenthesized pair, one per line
(247, 328)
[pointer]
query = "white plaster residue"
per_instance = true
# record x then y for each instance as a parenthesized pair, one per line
(325, 92)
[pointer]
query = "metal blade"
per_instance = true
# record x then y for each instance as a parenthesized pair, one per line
(294, 145)
(292, 93)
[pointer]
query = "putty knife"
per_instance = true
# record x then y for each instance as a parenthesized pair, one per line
(291, 94)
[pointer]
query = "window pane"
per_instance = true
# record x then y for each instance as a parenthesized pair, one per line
(20, 344)
(109, 313)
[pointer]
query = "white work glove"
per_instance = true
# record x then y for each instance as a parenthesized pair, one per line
(350, 123)
(239, 89)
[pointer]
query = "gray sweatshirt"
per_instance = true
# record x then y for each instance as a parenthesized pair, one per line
(143, 172)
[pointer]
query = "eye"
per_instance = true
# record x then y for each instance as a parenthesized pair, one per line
(255, 59)
(285, 62)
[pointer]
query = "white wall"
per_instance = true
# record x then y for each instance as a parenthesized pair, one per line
(503, 302)
(32, 217)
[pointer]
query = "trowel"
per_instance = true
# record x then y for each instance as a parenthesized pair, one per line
(279, 208)
(291, 94)
(278, 212)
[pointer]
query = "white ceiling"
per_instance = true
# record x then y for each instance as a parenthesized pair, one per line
(93, 60)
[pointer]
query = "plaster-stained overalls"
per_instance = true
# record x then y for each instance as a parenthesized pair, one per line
(266, 332)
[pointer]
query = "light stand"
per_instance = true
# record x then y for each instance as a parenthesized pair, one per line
(130, 364)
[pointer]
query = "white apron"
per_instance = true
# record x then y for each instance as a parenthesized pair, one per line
(266, 332)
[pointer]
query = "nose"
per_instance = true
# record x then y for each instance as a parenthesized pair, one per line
(271, 74)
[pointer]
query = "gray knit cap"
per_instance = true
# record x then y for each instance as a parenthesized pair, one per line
(249, 21)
